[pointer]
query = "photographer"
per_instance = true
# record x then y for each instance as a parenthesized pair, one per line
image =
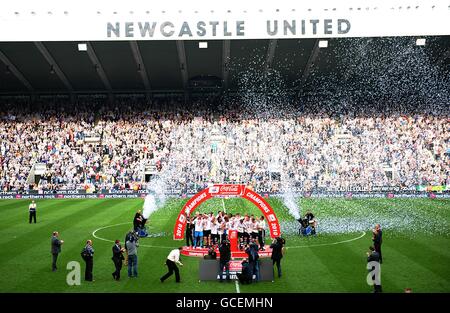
(131, 245)
(303, 226)
(277, 253)
(225, 256)
(137, 221)
(212, 255)
(131, 235)
(246, 276)
(253, 258)
(309, 216)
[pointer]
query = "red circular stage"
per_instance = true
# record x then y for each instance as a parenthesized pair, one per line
(201, 252)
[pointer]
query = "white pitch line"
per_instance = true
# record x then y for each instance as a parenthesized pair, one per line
(108, 240)
(224, 208)
(237, 287)
(164, 247)
(330, 244)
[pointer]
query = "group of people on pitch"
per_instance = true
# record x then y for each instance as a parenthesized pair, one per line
(250, 265)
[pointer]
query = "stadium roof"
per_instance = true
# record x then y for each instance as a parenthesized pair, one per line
(35, 61)
(154, 66)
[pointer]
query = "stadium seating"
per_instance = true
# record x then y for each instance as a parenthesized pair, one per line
(99, 146)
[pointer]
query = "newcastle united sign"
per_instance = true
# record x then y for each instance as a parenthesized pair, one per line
(233, 19)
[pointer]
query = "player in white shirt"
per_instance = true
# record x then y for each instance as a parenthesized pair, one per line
(224, 228)
(198, 231)
(247, 229)
(219, 214)
(219, 222)
(254, 228)
(240, 230)
(214, 231)
(233, 222)
(32, 211)
(229, 227)
(207, 230)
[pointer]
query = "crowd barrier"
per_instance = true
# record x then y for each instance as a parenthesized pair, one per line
(128, 194)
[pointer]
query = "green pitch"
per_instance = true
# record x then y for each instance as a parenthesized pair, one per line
(416, 252)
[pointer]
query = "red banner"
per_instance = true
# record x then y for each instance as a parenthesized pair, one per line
(188, 208)
(267, 210)
(226, 190)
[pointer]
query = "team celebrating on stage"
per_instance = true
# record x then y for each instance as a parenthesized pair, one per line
(206, 230)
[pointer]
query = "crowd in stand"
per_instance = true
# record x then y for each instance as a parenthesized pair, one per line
(92, 145)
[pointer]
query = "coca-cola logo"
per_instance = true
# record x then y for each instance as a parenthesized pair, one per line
(229, 188)
(235, 266)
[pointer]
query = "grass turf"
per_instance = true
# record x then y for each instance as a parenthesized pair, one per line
(413, 258)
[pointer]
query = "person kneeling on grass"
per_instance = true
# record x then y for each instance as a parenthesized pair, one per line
(212, 255)
(245, 277)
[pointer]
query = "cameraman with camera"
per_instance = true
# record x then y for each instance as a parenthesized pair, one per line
(253, 258)
(246, 276)
(131, 246)
(225, 256)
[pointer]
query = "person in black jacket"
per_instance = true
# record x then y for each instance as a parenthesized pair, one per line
(277, 253)
(246, 276)
(56, 248)
(378, 240)
(117, 258)
(224, 262)
(88, 256)
(253, 258)
(189, 229)
(212, 255)
(309, 216)
(374, 256)
(137, 221)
